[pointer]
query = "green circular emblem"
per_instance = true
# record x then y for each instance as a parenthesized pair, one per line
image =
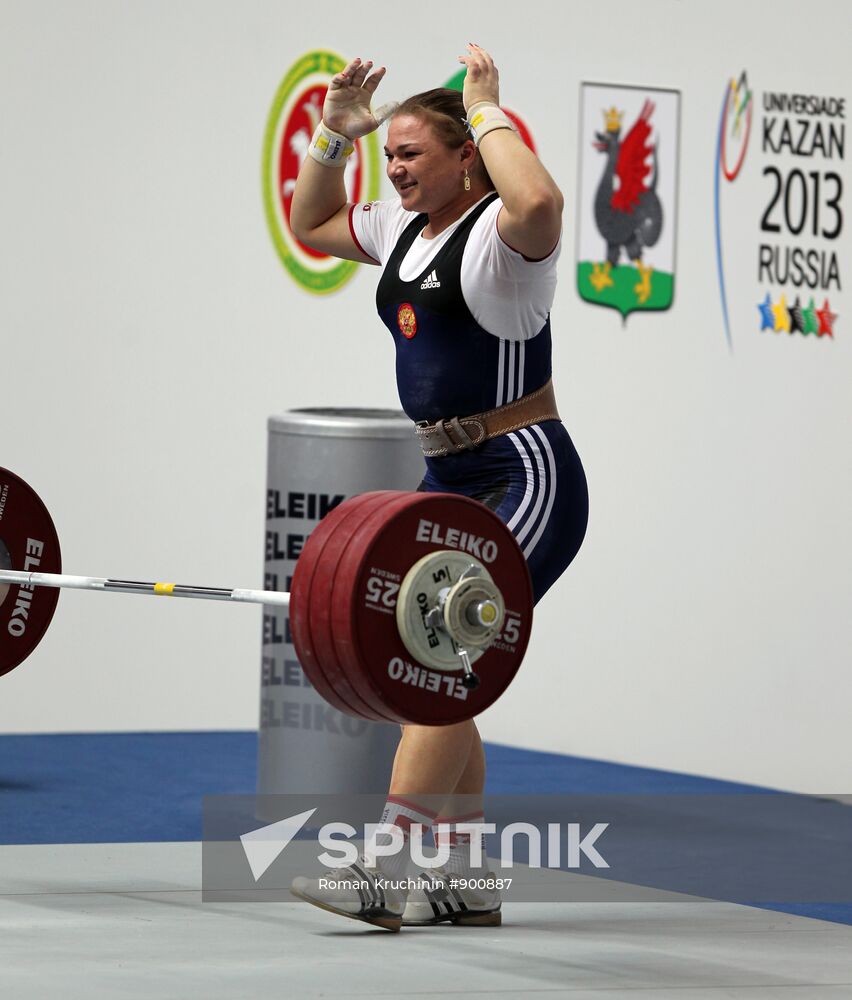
(296, 111)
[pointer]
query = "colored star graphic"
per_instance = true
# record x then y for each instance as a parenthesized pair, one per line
(766, 320)
(796, 317)
(782, 317)
(826, 320)
(809, 319)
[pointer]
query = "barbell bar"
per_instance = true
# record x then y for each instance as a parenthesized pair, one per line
(395, 596)
(63, 581)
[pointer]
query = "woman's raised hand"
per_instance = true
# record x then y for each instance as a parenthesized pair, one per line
(347, 104)
(482, 81)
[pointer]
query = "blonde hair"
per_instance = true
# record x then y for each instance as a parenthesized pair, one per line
(444, 110)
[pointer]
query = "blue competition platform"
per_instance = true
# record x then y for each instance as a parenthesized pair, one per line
(145, 787)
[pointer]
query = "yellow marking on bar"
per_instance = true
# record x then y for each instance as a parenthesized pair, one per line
(166, 589)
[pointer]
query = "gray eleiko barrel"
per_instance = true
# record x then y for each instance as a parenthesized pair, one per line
(316, 459)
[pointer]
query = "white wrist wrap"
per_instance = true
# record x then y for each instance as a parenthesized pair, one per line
(485, 117)
(331, 149)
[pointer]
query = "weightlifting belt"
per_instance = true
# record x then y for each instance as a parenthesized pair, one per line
(452, 436)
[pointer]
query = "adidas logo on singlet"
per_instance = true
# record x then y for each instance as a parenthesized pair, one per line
(431, 281)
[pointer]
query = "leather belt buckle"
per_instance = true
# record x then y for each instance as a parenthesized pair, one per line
(462, 442)
(457, 434)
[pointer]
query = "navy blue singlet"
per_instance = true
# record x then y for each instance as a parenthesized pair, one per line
(447, 365)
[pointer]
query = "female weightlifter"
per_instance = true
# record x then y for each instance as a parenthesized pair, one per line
(468, 255)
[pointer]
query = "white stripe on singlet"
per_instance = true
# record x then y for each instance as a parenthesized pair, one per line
(529, 492)
(510, 371)
(542, 486)
(522, 351)
(551, 489)
(536, 454)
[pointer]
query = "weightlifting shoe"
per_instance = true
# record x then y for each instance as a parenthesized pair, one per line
(358, 892)
(444, 897)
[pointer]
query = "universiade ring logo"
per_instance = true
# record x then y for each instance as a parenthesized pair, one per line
(296, 111)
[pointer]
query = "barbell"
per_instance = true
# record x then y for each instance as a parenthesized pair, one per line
(395, 596)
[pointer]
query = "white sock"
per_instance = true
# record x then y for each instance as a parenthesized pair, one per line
(460, 841)
(401, 813)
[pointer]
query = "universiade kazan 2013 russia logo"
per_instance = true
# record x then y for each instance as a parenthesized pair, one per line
(778, 206)
(296, 111)
(629, 139)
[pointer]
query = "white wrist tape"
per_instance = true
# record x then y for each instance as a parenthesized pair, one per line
(384, 111)
(329, 148)
(485, 117)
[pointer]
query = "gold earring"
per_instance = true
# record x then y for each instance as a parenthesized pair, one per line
(466, 181)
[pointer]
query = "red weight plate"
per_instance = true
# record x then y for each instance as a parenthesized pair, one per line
(363, 662)
(372, 647)
(299, 611)
(384, 609)
(337, 605)
(28, 535)
(302, 609)
(349, 686)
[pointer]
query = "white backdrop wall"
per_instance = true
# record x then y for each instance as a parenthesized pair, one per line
(149, 329)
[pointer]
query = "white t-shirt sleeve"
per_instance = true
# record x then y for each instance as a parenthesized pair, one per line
(508, 295)
(377, 225)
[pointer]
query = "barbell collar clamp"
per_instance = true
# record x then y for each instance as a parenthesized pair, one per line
(470, 680)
